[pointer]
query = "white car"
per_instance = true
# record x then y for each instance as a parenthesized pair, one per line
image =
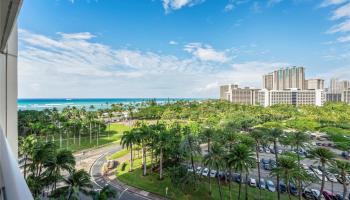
(331, 177)
(205, 172)
(189, 168)
(213, 173)
(267, 150)
(199, 170)
(252, 182)
(305, 166)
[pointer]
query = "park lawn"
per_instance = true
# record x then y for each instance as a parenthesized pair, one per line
(119, 154)
(337, 134)
(114, 136)
(152, 184)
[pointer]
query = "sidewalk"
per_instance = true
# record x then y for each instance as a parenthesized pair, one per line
(112, 179)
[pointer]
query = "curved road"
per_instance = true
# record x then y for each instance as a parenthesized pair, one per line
(94, 160)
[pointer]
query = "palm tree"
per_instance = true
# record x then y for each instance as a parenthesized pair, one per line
(342, 168)
(324, 156)
(258, 135)
(107, 192)
(63, 160)
(273, 135)
(163, 136)
(77, 182)
(127, 140)
(242, 159)
(190, 147)
(215, 158)
(110, 115)
(143, 134)
(208, 133)
(89, 119)
(26, 149)
(287, 168)
(298, 139)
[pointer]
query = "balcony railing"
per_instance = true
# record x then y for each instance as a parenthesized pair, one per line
(12, 183)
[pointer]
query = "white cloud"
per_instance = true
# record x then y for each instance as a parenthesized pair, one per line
(273, 2)
(206, 52)
(340, 28)
(229, 7)
(78, 36)
(169, 5)
(343, 11)
(344, 39)
(326, 3)
(173, 42)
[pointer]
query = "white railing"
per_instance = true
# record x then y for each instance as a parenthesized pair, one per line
(12, 183)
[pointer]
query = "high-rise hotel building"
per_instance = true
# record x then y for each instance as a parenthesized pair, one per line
(283, 86)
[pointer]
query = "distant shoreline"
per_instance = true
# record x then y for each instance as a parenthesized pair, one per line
(98, 103)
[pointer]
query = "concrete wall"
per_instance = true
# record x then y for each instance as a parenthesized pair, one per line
(8, 90)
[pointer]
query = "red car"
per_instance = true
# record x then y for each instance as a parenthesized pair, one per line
(328, 195)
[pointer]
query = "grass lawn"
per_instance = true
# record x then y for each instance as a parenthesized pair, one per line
(152, 184)
(114, 137)
(119, 154)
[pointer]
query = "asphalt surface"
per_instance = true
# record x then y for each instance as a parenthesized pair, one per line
(96, 172)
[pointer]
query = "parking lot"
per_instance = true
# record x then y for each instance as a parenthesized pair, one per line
(267, 161)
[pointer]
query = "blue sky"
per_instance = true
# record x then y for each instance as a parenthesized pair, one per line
(175, 48)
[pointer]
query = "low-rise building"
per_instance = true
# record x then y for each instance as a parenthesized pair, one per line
(291, 97)
(235, 94)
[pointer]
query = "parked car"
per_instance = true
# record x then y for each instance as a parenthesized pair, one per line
(293, 189)
(261, 150)
(205, 172)
(331, 177)
(341, 181)
(267, 167)
(328, 195)
(321, 168)
(310, 194)
(265, 161)
(252, 182)
(267, 150)
(262, 184)
(282, 187)
(272, 163)
(270, 186)
(305, 166)
(189, 168)
(199, 170)
(236, 177)
(339, 197)
(221, 175)
(213, 173)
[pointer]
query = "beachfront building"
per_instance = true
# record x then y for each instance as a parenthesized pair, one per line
(346, 96)
(235, 94)
(314, 84)
(12, 183)
(285, 78)
(291, 97)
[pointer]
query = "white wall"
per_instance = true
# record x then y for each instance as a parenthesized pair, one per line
(8, 91)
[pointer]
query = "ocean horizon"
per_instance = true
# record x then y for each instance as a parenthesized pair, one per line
(98, 103)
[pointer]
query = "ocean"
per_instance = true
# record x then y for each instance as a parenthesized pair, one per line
(98, 103)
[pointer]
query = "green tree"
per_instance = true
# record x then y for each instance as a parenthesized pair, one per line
(324, 157)
(128, 139)
(215, 159)
(298, 140)
(287, 168)
(273, 135)
(342, 168)
(242, 159)
(77, 182)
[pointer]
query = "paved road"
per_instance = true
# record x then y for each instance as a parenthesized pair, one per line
(93, 161)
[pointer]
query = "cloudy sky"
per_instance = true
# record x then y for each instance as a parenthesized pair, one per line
(175, 48)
